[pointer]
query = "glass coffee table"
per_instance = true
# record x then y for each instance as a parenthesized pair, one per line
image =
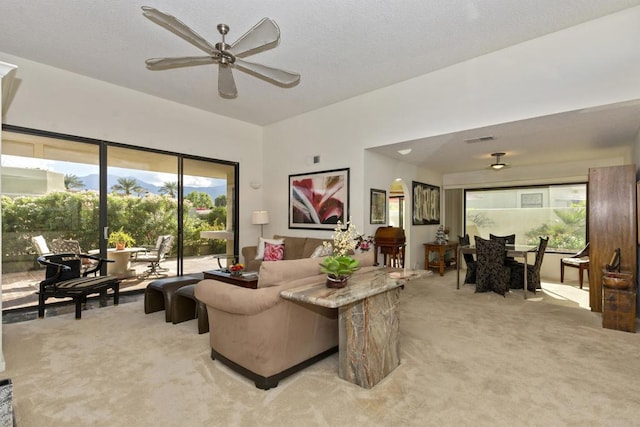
(248, 279)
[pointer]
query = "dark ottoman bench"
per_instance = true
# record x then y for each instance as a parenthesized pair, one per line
(158, 294)
(185, 306)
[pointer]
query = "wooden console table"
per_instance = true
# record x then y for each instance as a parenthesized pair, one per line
(369, 347)
(440, 249)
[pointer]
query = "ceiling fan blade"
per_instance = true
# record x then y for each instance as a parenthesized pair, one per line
(184, 61)
(226, 83)
(274, 75)
(177, 27)
(264, 35)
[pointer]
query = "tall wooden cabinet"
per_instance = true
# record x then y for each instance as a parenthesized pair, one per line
(612, 224)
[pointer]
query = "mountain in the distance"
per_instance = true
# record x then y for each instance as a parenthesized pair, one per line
(91, 182)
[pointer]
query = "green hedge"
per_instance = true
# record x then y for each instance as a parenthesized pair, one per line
(75, 215)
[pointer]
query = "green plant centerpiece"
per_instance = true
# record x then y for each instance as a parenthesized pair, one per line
(340, 265)
(121, 239)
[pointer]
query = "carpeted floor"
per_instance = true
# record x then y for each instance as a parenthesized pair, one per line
(467, 360)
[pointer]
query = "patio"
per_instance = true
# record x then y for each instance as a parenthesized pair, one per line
(19, 289)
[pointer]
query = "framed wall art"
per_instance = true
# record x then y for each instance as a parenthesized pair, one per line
(425, 204)
(378, 207)
(318, 200)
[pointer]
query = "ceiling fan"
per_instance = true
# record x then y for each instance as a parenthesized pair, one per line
(264, 35)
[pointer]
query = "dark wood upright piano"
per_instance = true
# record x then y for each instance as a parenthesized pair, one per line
(390, 242)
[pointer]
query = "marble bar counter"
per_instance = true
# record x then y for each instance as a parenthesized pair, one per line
(368, 321)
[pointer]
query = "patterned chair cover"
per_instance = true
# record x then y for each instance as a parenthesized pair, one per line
(533, 271)
(492, 274)
(469, 260)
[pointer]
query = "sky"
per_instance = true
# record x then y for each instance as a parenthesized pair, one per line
(81, 169)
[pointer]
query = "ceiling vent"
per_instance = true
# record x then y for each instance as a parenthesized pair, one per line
(479, 139)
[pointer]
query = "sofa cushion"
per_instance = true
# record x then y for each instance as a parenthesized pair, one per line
(273, 252)
(275, 273)
(261, 243)
(321, 250)
(365, 258)
(293, 247)
(310, 245)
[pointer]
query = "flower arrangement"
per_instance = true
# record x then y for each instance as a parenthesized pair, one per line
(236, 269)
(340, 265)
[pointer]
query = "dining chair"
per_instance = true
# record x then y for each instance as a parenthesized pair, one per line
(509, 239)
(533, 271)
(472, 265)
(492, 274)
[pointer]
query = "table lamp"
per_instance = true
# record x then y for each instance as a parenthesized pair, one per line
(261, 218)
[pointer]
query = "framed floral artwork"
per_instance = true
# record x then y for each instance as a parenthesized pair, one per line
(426, 204)
(318, 200)
(378, 207)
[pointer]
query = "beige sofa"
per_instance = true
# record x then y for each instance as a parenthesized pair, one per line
(263, 336)
(294, 248)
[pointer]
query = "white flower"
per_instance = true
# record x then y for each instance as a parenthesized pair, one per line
(344, 241)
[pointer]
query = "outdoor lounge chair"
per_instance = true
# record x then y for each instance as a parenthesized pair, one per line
(63, 279)
(155, 257)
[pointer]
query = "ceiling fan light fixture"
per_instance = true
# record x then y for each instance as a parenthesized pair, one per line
(497, 165)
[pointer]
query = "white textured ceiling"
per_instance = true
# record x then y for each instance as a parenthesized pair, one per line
(341, 48)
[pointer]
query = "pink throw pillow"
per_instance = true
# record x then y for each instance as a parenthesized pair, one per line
(273, 252)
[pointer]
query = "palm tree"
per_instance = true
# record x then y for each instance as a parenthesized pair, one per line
(72, 182)
(170, 188)
(127, 186)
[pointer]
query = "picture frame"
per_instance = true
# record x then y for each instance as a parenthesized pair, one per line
(377, 206)
(318, 200)
(425, 204)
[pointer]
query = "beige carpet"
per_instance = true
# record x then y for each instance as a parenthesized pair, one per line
(467, 360)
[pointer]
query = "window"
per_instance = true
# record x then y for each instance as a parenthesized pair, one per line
(556, 211)
(60, 188)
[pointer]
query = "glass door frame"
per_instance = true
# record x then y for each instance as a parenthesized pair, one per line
(103, 186)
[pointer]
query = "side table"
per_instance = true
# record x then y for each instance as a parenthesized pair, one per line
(440, 249)
(249, 281)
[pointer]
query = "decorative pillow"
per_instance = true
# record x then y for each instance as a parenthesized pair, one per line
(321, 251)
(261, 243)
(273, 252)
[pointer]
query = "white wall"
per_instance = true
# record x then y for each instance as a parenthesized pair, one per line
(58, 101)
(548, 75)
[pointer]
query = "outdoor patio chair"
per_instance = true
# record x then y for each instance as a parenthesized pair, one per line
(154, 258)
(40, 244)
(60, 246)
(63, 279)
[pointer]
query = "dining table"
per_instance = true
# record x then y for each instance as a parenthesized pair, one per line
(520, 251)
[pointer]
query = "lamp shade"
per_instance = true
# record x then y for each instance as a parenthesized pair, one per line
(260, 217)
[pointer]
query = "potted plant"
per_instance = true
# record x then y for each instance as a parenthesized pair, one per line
(121, 239)
(340, 265)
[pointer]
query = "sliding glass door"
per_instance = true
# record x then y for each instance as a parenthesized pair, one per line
(60, 188)
(49, 198)
(142, 201)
